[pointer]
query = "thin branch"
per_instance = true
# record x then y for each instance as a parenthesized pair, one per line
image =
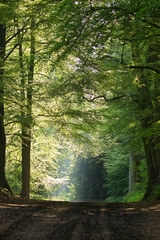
(104, 98)
(115, 8)
(145, 67)
(15, 46)
(15, 34)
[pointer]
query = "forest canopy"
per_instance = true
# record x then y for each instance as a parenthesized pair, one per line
(79, 99)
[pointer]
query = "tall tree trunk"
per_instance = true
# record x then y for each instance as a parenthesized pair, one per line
(150, 107)
(3, 181)
(146, 52)
(26, 145)
(151, 141)
(153, 159)
(27, 124)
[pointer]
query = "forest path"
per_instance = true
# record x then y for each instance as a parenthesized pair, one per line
(45, 220)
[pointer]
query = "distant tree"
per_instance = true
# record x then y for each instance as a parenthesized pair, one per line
(88, 177)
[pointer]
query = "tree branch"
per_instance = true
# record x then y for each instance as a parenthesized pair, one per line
(15, 34)
(16, 45)
(145, 67)
(103, 97)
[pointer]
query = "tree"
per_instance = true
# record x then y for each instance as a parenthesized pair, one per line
(91, 33)
(4, 11)
(96, 59)
(3, 182)
(89, 178)
(27, 114)
(22, 94)
(21, 103)
(145, 50)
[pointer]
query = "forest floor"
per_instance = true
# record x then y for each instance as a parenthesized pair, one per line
(45, 220)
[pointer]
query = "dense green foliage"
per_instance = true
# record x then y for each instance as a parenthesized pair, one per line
(79, 99)
(88, 177)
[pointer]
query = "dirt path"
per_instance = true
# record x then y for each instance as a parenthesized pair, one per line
(39, 220)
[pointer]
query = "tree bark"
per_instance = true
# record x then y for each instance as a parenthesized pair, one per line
(27, 124)
(132, 172)
(150, 107)
(26, 146)
(147, 64)
(153, 158)
(3, 181)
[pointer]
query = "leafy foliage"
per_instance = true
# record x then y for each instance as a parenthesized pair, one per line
(89, 178)
(95, 91)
